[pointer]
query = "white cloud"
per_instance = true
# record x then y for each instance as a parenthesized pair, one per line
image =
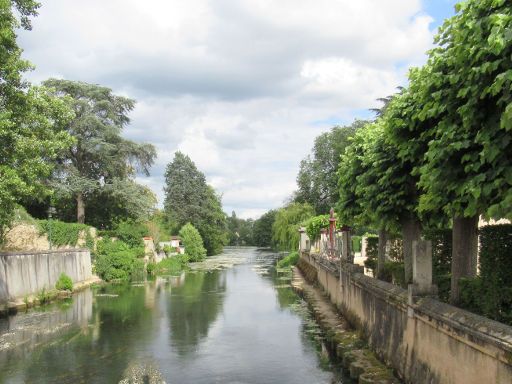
(241, 86)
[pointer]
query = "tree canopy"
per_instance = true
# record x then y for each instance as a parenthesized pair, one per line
(188, 198)
(288, 220)
(100, 160)
(30, 118)
(317, 181)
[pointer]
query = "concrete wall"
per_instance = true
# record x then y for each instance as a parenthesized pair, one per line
(426, 341)
(26, 273)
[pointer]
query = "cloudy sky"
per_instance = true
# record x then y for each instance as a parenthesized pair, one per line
(241, 86)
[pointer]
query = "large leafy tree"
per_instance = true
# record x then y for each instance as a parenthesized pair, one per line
(262, 232)
(461, 116)
(30, 118)
(285, 229)
(317, 181)
(188, 198)
(240, 230)
(100, 160)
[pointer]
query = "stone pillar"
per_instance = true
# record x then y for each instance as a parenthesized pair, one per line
(324, 246)
(422, 267)
(346, 251)
(304, 243)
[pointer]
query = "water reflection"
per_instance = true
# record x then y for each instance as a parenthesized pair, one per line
(234, 319)
(193, 306)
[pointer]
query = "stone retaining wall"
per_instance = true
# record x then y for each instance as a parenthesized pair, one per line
(424, 340)
(26, 273)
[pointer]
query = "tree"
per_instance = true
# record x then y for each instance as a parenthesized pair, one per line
(100, 159)
(262, 232)
(192, 242)
(317, 180)
(285, 230)
(240, 230)
(188, 198)
(30, 118)
(462, 110)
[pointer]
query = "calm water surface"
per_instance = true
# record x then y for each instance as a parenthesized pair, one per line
(232, 319)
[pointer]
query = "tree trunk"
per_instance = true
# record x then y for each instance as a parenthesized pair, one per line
(411, 230)
(464, 252)
(381, 253)
(80, 209)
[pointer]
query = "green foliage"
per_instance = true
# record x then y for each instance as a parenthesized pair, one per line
(100, 161)
(65, 233)
(117, 260)
(356, 243)
(131, 233)
(290, 260)
(372, 251)
(192, 242)
(262, 232)
(317, 181)
(44, 296)
(188, 199)
(315, 224)
(285, 230)
(158, 227)
(441, 260)
(240, 231)
(64, 283)
(172, 265)
(393, 272)
(490, 294)
(150, 268)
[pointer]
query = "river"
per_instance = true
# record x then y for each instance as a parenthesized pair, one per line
(232, 319)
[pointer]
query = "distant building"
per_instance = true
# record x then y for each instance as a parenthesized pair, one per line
(175, 245)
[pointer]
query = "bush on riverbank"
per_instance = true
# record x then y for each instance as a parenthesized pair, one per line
(288, 261)
(117, 260)
(193, 242)
(64, 283)
(170, 266)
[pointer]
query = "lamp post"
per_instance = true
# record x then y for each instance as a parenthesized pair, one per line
(51, 212)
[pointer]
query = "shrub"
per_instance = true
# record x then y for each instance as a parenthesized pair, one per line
(394, 272)
(150, 268)
(131, 232)
(172, 265)
(356, 243)
(64, 283)
(44, 296)
(495, 268)
(291, 259)
(192, 242)
(372, 250)
(441, 260)
(117, 260)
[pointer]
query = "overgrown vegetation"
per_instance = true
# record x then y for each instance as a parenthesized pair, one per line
(192, 242)
(290, 260)
(64, 283)
(169, 266)
(65, 233)
(490, 294)
(117, 260)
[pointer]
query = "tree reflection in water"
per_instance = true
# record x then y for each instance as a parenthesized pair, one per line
(193, 307)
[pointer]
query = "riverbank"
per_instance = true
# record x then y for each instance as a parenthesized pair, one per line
(349, 348)
(29, 301)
